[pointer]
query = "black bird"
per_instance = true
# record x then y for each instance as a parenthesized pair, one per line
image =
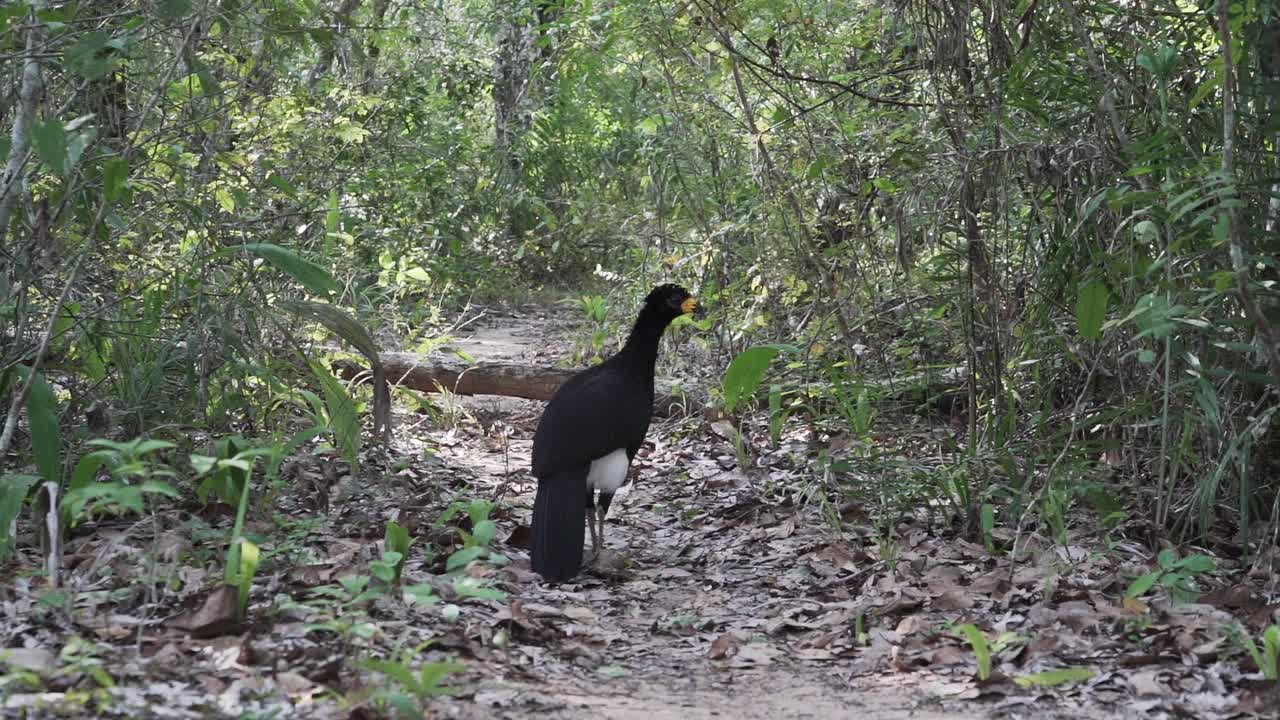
(592, 428)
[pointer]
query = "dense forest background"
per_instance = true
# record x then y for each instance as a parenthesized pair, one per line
(1049, 227)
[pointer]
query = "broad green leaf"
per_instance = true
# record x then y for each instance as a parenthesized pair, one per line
(115, 175)
(354, 583)
(13, 491)
(311, 276)
(1091, 309)
(397, 538)
(141, 446)
(484, 532)
(404, 703)
(385, 569)
(885, 185)
(1154, 315)
(159, 487)
(430, 675)
(341, 323)
(1211, 85)
(342, 415)
(397, 671)
(87, 349)
(464, 556)
(76, 145)
(49, 139)
(1053, 678)
(42, 417)
(225, 201)
(1222, 280)
(87, 57)
(209, 84)
(87, 469)
(281, 184)
(422, 594)
(1271, 653)
(981, 648)
(202, 463)
(1197, 563)
(987, 518)
(467, 586)
(1142, 584)
(350, 131)
(1147, 231)
(745, 372)
(1207, 398)
(248, 568)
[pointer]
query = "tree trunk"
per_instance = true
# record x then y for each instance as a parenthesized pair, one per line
(513, 103)
(1269, 62)
(492, 378)
(29, 97)
(341, 19)
(372, 48)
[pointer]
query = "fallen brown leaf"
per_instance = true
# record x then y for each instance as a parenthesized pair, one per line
(725, 646)
(217, 616)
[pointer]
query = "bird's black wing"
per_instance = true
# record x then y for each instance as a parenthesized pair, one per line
(592, 414)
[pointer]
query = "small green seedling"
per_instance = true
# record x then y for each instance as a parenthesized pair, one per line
(133, 477)
(475, 543)
(596, 308)
(1268, 657)
(231, 472)
(226, 472)
(1054, 678)
(341, 607)
(859, 630)
(1174, 574)
(987, 519)
(475, 548)
(413, 689)
(246, 569)
(396, 542)
(983, 649)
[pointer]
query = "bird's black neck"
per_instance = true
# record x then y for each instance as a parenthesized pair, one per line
(639, 356)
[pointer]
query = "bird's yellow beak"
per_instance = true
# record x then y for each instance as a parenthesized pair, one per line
(688, 306)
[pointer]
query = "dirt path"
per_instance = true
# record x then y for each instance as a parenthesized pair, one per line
(752, 592)
(666, 637)
(740, 600)
(710, 604)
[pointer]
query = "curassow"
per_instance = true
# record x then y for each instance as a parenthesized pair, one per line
(589, 433)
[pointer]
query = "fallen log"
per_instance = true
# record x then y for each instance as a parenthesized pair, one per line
(533, 382)
(539, 382)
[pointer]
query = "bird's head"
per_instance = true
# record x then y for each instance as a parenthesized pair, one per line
(671, 301)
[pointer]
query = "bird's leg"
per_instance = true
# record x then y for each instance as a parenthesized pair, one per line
(591, 525)
(597, 539)
(606, 499)
(600, 534)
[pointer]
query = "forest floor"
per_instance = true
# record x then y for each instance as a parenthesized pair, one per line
(719, 597)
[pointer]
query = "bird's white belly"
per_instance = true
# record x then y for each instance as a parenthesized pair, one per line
(608, 473)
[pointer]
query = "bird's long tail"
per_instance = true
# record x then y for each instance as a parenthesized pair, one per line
(559, 513)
